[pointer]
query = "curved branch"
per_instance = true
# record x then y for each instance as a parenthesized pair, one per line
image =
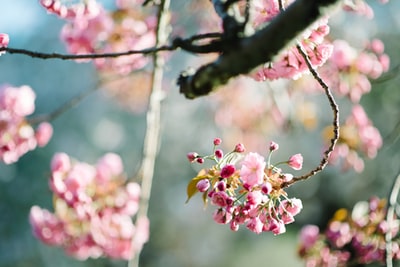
(183, 43)
(250, 52)
(335, 123)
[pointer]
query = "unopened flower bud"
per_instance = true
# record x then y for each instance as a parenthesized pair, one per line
(192, 156)
(200, 160)
(296, 161)
(217, 141)
(273, 146)
(239, 148)
(203, 185)
(219, 153)
(227, 171)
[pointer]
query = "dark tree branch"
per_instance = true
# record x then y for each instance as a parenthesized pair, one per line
(187, 44)
(250, 52)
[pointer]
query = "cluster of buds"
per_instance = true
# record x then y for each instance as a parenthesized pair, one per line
(357, 135)
(357, 238)
(17, 136)
(91, 29)
(246, 189)
(93, 210)
(4, 39)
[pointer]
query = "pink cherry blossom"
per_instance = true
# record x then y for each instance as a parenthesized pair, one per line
(92, 218)
(252, 171)
(4, 40)
(17, 136)
(296, 161)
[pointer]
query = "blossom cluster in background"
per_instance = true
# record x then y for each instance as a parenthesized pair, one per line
(17, 135)
(93, 209)
(92, 29)
(358, 237)
(247, 189)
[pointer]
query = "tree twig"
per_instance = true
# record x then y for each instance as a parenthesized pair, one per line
(335, 123)
(151, 140)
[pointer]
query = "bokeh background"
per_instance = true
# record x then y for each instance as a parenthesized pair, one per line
(181, 234)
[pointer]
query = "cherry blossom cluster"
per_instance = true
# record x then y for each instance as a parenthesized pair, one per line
(357, 135)
(247, 189)
(92, 29)
(358, 237)
(290, 64)
(93, 207)
(17, 135)
(348, 70)
(4, 40)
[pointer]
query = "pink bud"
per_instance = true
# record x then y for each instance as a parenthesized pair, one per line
(203, 185)
(200, 160)
(219, 153)
(192, 156)
(239, 148)
(217, 141)
(43, 133)
(227, 171)
(296, 161)
(273, 146)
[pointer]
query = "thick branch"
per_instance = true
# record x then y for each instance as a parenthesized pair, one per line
(250, 52)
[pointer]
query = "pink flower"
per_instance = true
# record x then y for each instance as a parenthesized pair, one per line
(109, 167)
(255, 225)
(296, 161)
(4, 39)
(252, 171)
(46, 226)
(293, 206)
(227, 171)
(219, 199)
(221, 216)
(309, 235)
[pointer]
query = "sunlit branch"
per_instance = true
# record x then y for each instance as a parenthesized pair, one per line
(391, 206)
(335, 123)
(250, 52)
(151, 140)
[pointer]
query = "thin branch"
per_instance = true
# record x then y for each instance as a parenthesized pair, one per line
(250, 52)
(335, 123)
(183, 43)
(146, 51)
(391, 206)
(151, 140)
